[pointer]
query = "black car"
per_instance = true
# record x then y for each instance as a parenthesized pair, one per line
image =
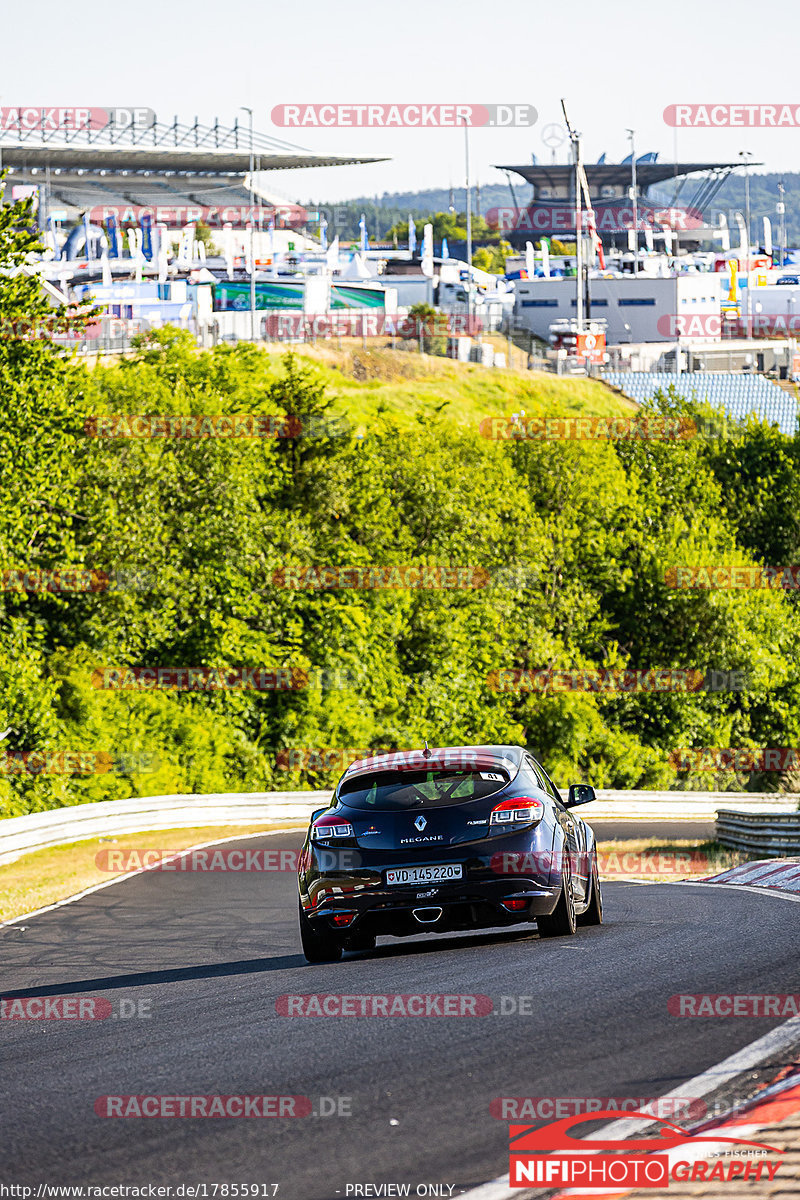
(464, 838)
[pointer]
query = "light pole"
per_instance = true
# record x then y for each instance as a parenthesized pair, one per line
(635, 204)
(781, 207)
(469, 197)
(746, 155)
(249, 112)
(575, 139)
(469, 218)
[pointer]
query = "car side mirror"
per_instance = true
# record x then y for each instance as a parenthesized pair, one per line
(580, 793)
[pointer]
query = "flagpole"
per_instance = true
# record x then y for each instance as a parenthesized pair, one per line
(249, 112)
(635, 203)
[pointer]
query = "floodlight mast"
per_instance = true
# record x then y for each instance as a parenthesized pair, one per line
(575, 138)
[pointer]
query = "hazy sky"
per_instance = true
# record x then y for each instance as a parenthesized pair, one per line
(619, 64)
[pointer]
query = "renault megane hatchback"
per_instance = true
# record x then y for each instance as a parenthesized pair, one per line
(453, 839)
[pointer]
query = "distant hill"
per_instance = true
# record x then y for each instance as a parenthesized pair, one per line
(382, 212)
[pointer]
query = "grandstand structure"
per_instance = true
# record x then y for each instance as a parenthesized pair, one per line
(737, 395)
(669, 195)
(174, 168)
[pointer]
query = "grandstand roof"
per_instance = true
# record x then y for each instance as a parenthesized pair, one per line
(159, 148)
(614, 174)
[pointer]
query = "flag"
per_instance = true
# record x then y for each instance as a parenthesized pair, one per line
(596, 241)
(445, 248)
(113, 237)
(591, 224)
(323, 233)
(412, 234)
(332, 255)
(156, 246)
(147, 240)
(530, 263)
(768, 236)
(544, 246)
(732, 283)
(724, 233)
(162, 253)
(56, 247)
(227, 248)
(362, 225)
(648, 237)
(105, 267)
(427, 249)
(743, 239)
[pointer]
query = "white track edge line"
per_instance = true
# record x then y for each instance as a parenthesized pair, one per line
(730, 1068)
(98, 887)
(740, 887)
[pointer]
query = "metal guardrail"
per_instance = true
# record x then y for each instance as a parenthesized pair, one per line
(769, 834)
(59, 826)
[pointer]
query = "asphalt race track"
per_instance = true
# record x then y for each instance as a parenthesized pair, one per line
(211, 952)
(666, 831)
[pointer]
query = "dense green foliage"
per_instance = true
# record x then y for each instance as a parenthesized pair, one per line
(574, 537)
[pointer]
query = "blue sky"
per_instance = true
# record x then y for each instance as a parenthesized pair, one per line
(618, 65)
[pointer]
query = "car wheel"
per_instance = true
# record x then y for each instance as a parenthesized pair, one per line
(318, 947)
(594, 913)
(561, 922)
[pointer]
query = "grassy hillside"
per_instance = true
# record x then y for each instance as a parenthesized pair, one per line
(403, 385)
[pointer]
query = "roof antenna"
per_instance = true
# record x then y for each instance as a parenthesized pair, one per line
(426, 753)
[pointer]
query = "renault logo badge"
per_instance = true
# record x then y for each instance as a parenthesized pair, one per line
(420, 823)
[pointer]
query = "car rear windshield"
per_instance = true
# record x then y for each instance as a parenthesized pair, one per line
(397, 790)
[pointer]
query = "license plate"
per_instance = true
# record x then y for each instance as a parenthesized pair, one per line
(433, 874)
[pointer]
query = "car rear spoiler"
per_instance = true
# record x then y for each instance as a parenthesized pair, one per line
(459, 758)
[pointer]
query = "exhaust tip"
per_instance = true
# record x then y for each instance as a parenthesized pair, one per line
(427, 916)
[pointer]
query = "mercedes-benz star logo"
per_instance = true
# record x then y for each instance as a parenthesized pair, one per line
(554, 135)
(420, 823)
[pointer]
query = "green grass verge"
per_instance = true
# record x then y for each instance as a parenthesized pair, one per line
(46, 876)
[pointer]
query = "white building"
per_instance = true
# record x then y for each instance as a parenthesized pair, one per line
(635, 308)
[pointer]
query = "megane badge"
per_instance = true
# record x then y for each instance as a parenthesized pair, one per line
(420, 823)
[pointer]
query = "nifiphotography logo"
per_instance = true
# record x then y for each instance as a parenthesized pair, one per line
(553, 1157)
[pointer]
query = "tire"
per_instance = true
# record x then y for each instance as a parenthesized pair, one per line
(319, 947)
(561, 922)
(594, 913)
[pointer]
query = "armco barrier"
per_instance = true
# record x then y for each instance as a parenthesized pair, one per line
(20, 835)
(764, 833)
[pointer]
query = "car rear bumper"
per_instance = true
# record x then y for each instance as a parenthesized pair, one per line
(401, 911)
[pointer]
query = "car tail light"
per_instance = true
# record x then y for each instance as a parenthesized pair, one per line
(332, 827)
(343, 919)
(516, 903)
(521, 810)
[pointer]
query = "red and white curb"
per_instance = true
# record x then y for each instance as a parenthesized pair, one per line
(782, 875)
(777, 1102)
